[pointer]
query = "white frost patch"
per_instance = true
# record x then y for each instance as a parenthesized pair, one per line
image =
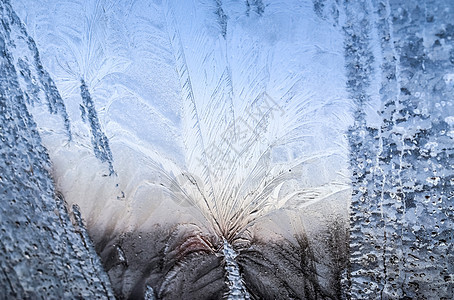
(450, 120)
(433, 180)
(451, 134)
(449, 79)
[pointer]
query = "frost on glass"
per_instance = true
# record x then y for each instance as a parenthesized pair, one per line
(248, 149)
(401, 234)
(43, 254)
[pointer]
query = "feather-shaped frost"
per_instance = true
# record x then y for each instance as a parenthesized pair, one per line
(221, 120)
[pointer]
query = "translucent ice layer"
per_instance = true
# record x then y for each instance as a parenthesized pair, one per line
(215, 146)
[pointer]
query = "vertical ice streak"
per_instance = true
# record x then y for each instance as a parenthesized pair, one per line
(99, 140)
(365, 220)
(421, 133)
(405, 194)
(237, 290)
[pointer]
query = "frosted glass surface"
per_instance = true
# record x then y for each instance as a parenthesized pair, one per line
(237, 149)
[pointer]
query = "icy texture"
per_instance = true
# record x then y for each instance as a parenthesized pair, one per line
(149, 294)
(32, 77)
(43, 256)
(402, 206)
(214, 113)
(228, 120)
(99, 140)
(237, 290)
(189, 101)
